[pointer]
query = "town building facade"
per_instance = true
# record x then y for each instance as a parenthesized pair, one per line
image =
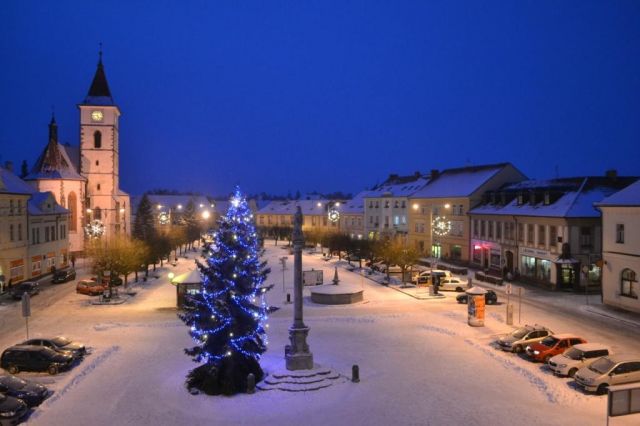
(543, 232)
(621, 248)
(438, 220)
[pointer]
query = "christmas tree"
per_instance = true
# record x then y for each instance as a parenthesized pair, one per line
(228, 320)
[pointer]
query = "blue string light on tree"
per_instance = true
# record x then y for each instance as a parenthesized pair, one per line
(228, 320)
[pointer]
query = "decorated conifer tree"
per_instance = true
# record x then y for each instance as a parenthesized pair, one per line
(228, 321)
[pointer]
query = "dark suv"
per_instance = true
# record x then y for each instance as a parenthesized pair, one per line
(34, 358)
(63, 276)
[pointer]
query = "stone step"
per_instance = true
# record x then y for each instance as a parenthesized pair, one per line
(302, 380)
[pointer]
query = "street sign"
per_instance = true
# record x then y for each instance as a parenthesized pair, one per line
(26, 305)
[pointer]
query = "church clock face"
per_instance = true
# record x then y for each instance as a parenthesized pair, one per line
(97, 115)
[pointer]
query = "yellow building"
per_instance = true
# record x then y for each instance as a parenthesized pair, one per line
(438, 221)
(315, 212)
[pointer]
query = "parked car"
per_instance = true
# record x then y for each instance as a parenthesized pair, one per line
(30, 287)
(490, 297)
(34, 358)
(556, 344)
(576, 357)
(608, 371)
(59, 344)
(31, 393)
(91, 287)
(64, 275)
(424, 277)
(519, 338)
(452, 284)
(12, 410)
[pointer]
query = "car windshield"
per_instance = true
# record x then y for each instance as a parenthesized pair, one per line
(550, 341)
(602, 366)
(573, 353)
(61, 341)
(520, 333)
(13, 381)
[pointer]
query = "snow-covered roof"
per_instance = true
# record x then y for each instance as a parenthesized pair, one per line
(355, 205)
(10, 183)
(575, 197)
(630, 196)
(54, 163)
(44, 203)
(308, 207)
(398, 186)
(460, 182)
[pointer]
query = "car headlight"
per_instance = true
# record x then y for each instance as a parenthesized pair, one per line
(7, 413)
(536, 352)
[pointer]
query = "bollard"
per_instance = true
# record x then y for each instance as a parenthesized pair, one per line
(288, 297)
(355, 374)
(251, 383)
(509, 314)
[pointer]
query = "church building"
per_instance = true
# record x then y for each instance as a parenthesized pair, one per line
(85, 179)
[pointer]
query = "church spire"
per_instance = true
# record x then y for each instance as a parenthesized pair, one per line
(99, 93)
(53, 129)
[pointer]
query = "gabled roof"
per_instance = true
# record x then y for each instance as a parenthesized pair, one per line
(630, 196)
(575, 197)
(54, 163)
(459, 182)
(99, 93)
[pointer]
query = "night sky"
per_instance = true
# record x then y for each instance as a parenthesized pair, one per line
(319, 95)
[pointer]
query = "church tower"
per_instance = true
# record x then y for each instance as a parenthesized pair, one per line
(99, 157)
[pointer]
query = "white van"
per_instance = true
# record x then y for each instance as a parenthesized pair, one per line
(424, 277)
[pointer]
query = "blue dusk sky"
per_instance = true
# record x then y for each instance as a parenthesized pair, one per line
(321, 95)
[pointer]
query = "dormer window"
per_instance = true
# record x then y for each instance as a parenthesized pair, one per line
(520, 199)
(547, 198)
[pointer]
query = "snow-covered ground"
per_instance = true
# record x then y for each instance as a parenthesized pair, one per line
(420, 363)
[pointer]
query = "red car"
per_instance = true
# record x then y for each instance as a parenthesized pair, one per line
(553, 345)
(90, 287)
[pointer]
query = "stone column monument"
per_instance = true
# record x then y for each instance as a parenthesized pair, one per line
(297, 354)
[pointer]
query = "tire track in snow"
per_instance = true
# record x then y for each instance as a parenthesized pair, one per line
(532, 378)
(77, 379)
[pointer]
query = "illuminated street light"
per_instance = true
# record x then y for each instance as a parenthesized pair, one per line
(416, 206)
(201, 205)
(206, 214)
(89, 211)
(319, 204)
(179, 206)
(159, 206)
(446, 206)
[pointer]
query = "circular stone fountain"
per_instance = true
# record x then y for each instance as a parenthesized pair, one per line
(341, 294)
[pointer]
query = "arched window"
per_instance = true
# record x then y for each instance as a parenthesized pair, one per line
(97, 139)
(97, 213)
(72, 202)
(628, 283)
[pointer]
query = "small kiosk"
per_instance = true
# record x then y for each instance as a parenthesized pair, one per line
(186, 284)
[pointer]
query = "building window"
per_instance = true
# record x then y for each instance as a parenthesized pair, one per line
(521, 232)
(553, 236)
(19, 232)
(475, 227)
(542, 237)
(498, 230)
(19, 207)
(490, 226)
(72, 202)
(483, 228)
(370, 204)
(628, 283)
(377, 204)
(97, 139)
(585, 236)
(396, 220)
(11, 233)
(620, 233)
(97, 163)
(404, 204)
(396, 204)
(10, 207)
(530, 240)
(46, 234)
(386, 204)
(97, 213)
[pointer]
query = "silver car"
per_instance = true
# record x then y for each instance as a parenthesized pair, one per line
(576, 357)
(517, 340)
(608, 371)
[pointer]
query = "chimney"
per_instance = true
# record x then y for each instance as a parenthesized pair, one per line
(434, 173)
(611, 174)
(9, 166)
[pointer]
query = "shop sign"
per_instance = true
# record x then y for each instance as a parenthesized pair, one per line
(535, 252)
